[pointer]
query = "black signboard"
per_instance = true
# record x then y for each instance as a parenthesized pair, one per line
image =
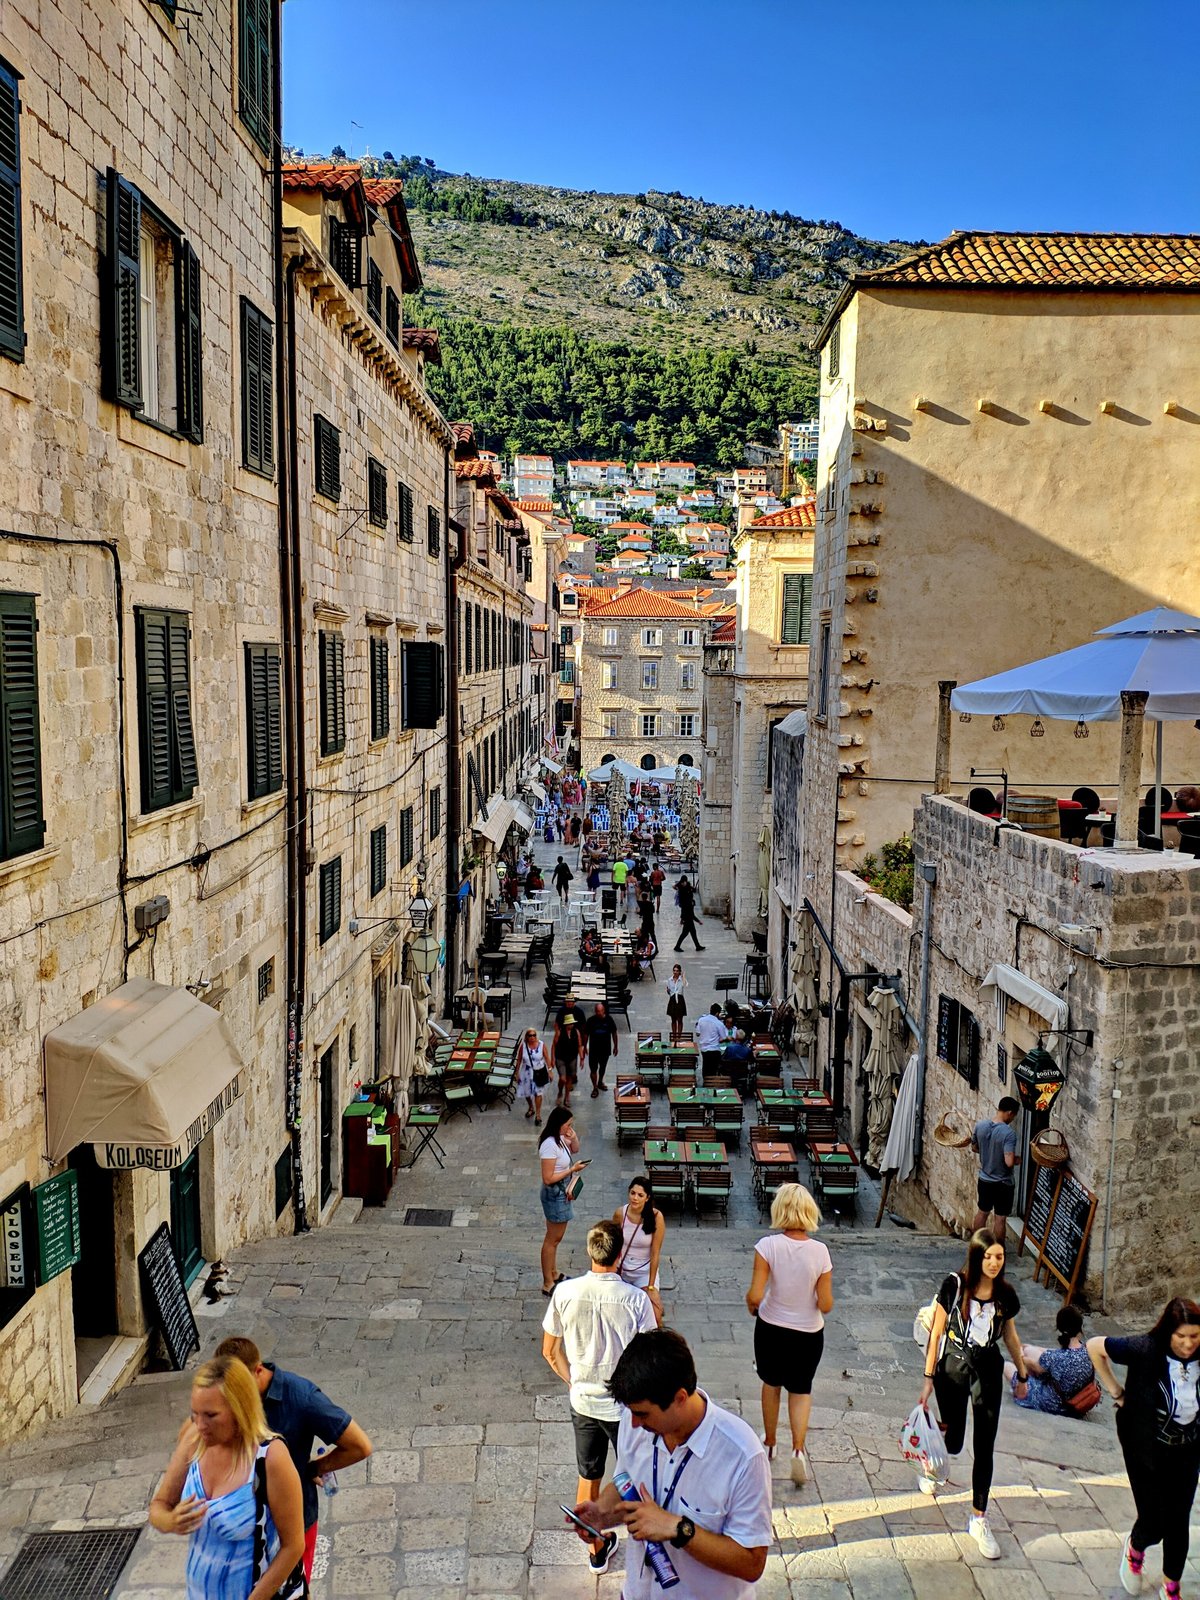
(56, 1213)
(1070, 1225)
(1041, 1207)
(162, 1284)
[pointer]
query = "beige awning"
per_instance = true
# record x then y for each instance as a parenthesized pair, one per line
(499, 816)
(521, 817)
(144, 1075)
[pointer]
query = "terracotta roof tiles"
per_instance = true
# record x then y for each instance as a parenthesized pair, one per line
(803, 517)
(640, 603)
(1050, 261)
(475, 469)
(382, 191)
(330, 177)
(426, 339)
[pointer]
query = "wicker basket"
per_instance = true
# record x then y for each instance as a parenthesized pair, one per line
(950, 1136)
(1049, 1149)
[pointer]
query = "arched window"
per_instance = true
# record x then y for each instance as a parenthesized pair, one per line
(686, 761)
(604, 760)
(648, 763)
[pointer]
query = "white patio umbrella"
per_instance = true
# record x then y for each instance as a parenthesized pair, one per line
(804, 985)
(899, 1153)
(883, 1069)
(625, 768)
(1156, 652)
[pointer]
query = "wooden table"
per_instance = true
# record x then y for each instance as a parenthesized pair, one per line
(635, 1095)
(683, 1096)
(425, 1122)
(664, 1152)
(616, 942)
(678, 1053)
(775, 1153)
(824, 1151)
(705, 1153)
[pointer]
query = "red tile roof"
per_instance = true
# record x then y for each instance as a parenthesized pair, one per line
(388, 194)
(633, 527)
(803, 516)
(426, 339)
(464, 432)
(382, 191)
(641, 603)
(528, 503)
(485, 471)
(725, 631)
(328, 176)
(1051, 261)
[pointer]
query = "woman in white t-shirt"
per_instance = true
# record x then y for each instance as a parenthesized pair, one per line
(790, 1293)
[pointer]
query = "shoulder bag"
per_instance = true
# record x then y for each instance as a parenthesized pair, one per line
(541, 1075)
(295, 1585)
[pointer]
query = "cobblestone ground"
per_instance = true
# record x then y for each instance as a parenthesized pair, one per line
(431, 1337)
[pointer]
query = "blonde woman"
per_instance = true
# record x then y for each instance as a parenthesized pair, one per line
(208, 1493)
(790, 1295)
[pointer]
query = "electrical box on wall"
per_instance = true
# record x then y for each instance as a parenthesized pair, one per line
(151, 912)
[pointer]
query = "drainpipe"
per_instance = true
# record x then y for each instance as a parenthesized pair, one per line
(454, 805)
(928, 874)
(292, 631)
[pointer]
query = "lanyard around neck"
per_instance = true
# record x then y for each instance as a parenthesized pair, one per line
(665, 1502)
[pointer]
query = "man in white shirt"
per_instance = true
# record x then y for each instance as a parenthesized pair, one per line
(587, 1326)
(704, 1478)
(711, 1033)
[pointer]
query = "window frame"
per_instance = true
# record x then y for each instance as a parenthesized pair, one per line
(687, 676)
(12, 262)
(609, 672)
(435, 811)
(651, 638)
(258, 390)
(654, 717)
(165, 706)
(377, 857)
(374, 291)
(404, 512)
(329, 899)
(433, 530)
(803, 609)
(380, 687)
(405, 849)
(331, 691)
(377, 495)
(256, 71)
(690, 718)
(264, 719)
(327, 458)
(650, 676)
(20, 834)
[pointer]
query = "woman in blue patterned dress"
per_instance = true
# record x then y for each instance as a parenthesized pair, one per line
(208, 1490)
(1056, 1374)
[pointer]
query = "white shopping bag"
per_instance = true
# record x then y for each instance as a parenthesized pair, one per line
(921, 1441)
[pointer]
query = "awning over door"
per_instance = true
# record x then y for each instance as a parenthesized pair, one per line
(500, 814)
(521, 817)
(1027, 992)
(144, 1075)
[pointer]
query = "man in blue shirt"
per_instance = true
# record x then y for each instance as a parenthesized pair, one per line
(995, 1142)
(736, 1059)
(300, 1413)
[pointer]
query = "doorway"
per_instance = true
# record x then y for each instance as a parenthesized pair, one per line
(185, 1216)
(380, 989)
(328, 1120)
(94, 1275)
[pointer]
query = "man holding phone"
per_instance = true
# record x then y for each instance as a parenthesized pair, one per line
(587, 1327)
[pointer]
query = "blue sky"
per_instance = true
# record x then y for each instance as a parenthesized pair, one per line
(899, 120)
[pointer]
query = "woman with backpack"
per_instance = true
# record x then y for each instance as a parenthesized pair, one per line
(974, 1313)
(1063, 1381)
(1158, 1424)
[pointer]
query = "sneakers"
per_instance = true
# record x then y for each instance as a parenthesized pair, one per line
(799, 1467)
(983, 1536)
(1170, 1590)
(598, 1560)
(1130, 1569)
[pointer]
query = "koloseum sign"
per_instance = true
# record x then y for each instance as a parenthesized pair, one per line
(163, 1157)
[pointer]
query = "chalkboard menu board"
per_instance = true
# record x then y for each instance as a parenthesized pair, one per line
(56, 1218)
(1041, 1204)
(1070, 1225)
(162, 1284)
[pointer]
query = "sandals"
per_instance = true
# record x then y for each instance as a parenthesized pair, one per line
(770, 1449)
(560, 1279)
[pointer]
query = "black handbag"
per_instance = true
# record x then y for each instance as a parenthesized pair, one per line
(295, 1585)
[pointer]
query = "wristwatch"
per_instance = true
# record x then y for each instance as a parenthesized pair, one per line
(684, 1533)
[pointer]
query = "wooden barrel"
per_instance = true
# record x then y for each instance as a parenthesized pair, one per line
(1036, 813)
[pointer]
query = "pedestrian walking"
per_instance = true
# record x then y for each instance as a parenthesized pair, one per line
(620, 876)
(557, 1148)
(790, 1295)
(300, 1414)
(601, 1044)
(657, 878)
(1059, 1377)
(704, 1479)
(1159, 1430)
(585, 827)
(569, 1048)
(676, 1002)
(229, 1476)
(587, 1326)
(686, 896)
(646, 907)
(995, 1142)
(561, 878)
(576, 829)
(711, 1034)
(976, 1310)
(643, 1228)
(533, 1074)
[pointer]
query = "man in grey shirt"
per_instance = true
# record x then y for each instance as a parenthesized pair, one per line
(995, 1142)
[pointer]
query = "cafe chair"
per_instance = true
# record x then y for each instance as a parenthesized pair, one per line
(727, 1123)
(631, 1121)
(1088, 799)
(712, 1187)
(660, 1132)
(1168, 799)
(667, 1183)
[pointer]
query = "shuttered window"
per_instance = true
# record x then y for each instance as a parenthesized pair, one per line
(381, 710)
(189, 346)
(255, 69)
(376, 493)
(374, 291)
(168, 747)
(435, 811)
(12, 295)
(435, 531)
(406, 836)
(796, 622)
(258, 391)
(122, 268)
(330, 898)
(378, 859)
(332, 693)
(424, 702)
(345, 247)
(327, 452)
(404, 510)
(264, 720)
(835, 351)
(392, 317)
(22, 825)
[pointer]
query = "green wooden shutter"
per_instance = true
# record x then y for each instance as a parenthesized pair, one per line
(255, 75)
(796, 627)
(327, 453)
(332, 693)
(424, 691)
(376, 493)
(330, 898)
(123, 275)
(23, 825)
(381, 716)
(374, 291)
(435, 811)
(378, 859)
(264, 720)
(392, 318)
(189, 342)
(186, 775)
(406, 836)
(404, 507)
(154, 708)
(258, 391)
(12, 298)
(434, 531)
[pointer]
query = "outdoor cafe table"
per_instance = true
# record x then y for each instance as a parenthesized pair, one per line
(773, 1153)
(705, 1153)
(654, 1049)
(837, 1153)
(631, 1094)
(683, 1096)
(425, 1122)
(588, 985)
(764, 1053)
(497, 999)
(664, 1152)
(615, 941)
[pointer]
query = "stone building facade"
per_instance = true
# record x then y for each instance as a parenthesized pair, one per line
(371, 454)
(640, 660)
(141, 542)
(716, 767)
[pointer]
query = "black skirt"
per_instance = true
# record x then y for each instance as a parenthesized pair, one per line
(787, 1358)
(676, 1007)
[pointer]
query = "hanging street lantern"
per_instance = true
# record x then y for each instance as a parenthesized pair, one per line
(426, 953)
(1039, 1079)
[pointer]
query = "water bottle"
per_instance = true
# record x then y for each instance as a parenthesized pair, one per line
(661, 1564)
(329, 1480)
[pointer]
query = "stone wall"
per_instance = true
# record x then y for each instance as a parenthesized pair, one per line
(875, 935)
(716, 789)
(788, 888)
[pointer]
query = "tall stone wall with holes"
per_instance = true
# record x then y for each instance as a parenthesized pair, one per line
(716, 790)
(109, 83)
(1134, 979)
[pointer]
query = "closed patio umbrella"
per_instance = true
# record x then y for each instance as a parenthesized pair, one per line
(883, 1068)
(688, 806)
(804, 985)
(900, 1152)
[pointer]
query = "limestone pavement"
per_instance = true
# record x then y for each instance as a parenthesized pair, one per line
(431, 1337)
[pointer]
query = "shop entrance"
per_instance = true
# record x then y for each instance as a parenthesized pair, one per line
(185, 1216)
(94, 1275)
(328, 1076)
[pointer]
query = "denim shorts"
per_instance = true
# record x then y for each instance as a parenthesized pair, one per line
(555, 1205)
